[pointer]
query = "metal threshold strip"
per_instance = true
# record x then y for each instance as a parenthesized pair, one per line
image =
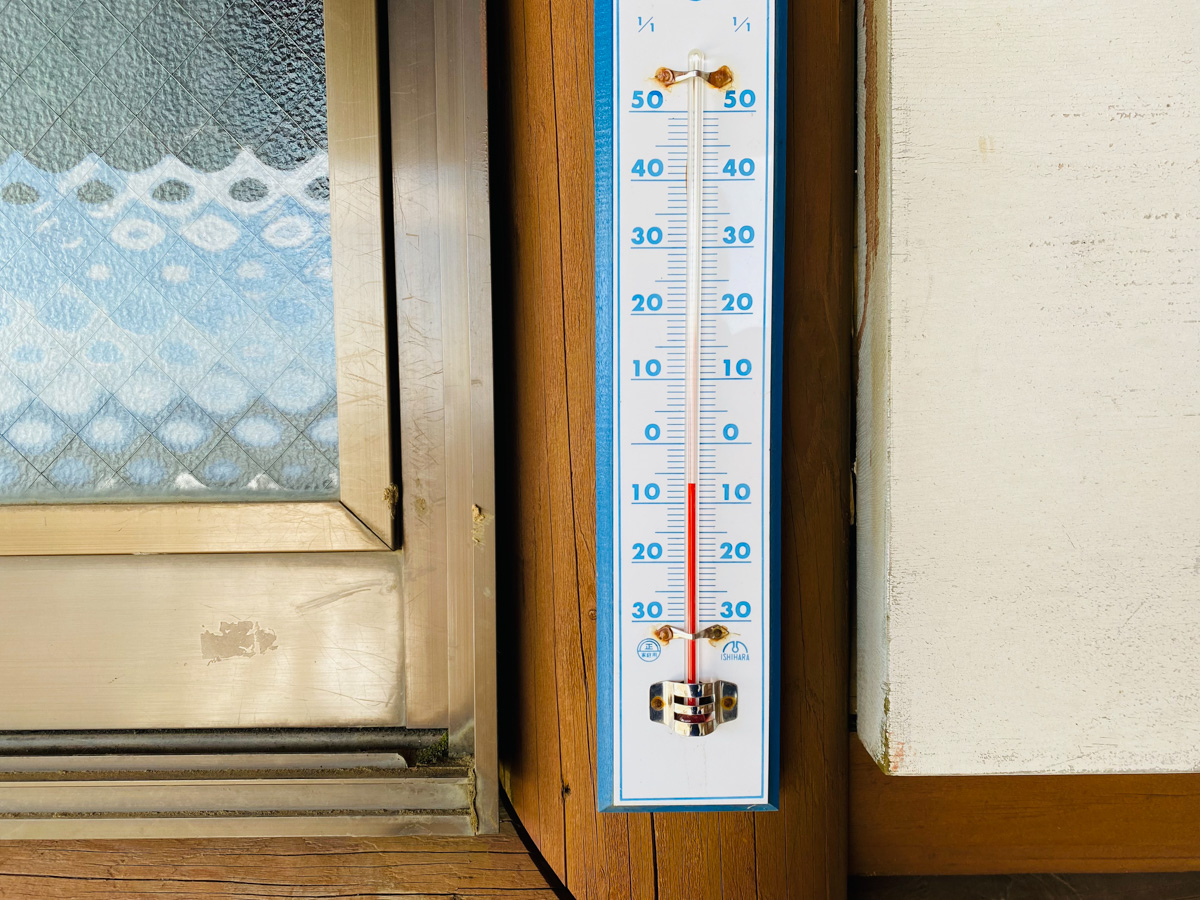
(409, 743)
(232, 782)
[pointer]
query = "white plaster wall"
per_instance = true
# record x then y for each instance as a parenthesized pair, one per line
(1032, 545)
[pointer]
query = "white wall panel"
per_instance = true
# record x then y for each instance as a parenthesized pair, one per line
(1029, 386)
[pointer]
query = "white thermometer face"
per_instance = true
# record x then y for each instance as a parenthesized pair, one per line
(686, 306)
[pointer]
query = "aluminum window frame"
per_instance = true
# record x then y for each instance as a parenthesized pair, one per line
(363, 516)
(444, 441)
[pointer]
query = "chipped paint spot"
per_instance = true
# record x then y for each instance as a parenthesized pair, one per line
(896, 759)
(479, 520)
(236, 639)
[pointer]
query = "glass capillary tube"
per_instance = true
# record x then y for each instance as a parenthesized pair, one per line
(695, 237)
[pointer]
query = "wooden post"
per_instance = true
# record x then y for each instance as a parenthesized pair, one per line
(541, 77)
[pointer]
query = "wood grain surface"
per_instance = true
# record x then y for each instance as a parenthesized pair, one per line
(542, 199)
(1011, 824)
(480, 868)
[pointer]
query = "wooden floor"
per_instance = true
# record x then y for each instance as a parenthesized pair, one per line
(540, 82)
(487, 868)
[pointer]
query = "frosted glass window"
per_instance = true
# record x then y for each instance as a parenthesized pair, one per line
(166, 309)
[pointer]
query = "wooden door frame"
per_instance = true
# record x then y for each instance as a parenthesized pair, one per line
(542, 196)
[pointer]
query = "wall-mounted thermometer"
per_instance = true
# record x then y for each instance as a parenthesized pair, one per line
(689, 169)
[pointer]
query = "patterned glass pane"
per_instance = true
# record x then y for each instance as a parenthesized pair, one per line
(166, 310)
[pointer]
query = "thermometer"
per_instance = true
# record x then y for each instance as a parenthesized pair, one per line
(688, 143)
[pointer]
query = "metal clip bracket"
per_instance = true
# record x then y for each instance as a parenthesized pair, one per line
(693, 710)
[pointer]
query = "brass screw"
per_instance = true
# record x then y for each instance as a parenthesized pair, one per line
(657, 703)
(728, 703)
(720, 78)
(665, 76)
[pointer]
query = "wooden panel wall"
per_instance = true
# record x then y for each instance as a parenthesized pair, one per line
(541, 88)
(991, 824)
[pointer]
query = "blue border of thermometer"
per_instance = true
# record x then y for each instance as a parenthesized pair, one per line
(605, 248)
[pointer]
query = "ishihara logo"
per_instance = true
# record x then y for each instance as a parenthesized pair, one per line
(649, 650)
(735, 650)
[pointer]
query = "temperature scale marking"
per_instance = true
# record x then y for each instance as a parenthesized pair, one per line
(688, 137)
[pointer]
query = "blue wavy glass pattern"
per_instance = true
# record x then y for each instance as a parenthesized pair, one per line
(160, 337)
(166, 310)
